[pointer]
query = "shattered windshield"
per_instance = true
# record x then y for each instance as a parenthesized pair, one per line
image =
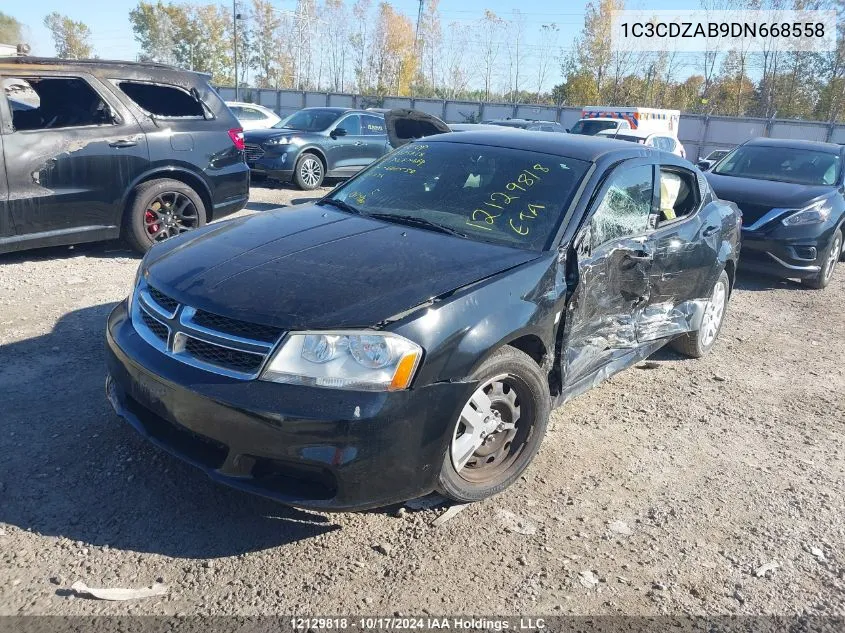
(496, 194)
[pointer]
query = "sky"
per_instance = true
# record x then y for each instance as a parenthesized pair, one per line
(112, 35)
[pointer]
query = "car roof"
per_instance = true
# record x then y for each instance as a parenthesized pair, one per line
(95, 66)
(342, 110)
(635, 133)
(247, 104)
(790, 143)
(569, 145)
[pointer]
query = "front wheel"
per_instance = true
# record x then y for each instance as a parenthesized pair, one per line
(308, 173)
(697, 344)
(829, 261)
(498, 430)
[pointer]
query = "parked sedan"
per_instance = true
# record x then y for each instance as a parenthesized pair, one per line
(712, 158)
(665, 142)
(793, 208)
(316, 143)
(253, 116)
(412, 331)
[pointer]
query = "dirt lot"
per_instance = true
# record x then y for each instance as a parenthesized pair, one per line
(662, 491)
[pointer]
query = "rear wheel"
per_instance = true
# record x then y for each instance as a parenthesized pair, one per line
(308, 173)
(161, 209)
(499, 428)
(697, 344)
(830, 259)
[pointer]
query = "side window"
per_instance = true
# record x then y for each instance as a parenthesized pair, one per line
(238, 111)
(352, 125)
(164, 101)
(625, 207)
(679, 194)
(372, 125)
(47, 103)
(251, 114)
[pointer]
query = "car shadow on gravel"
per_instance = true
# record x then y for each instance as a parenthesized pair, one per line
(758, 281)
(69, 467)
(103, 250)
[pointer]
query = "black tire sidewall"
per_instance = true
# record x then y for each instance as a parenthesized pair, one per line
(296, 172)
(521, 367)
(820, 282)
(138, 237)
(702, 349)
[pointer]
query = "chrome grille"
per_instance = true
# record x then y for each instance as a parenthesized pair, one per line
(253, 152)
(209, 341)
(223, 356)
(235, 327)
(169, 304)
(159, 329)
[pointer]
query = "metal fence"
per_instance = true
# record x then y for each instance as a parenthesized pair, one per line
(700, 134)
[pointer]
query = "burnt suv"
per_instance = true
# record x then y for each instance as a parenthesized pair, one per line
(95, 150)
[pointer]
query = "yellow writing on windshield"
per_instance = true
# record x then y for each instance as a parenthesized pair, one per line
(523, 181)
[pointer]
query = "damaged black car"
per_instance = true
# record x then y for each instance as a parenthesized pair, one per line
(95, 150)
(413, 329)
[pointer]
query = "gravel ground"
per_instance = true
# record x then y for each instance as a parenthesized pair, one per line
(662, 491)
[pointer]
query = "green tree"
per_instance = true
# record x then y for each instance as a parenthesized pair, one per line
(70, 37)
(11, 31)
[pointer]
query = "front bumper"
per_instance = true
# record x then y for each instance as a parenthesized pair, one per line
(273, 165)
(305, 446)
(793, 252)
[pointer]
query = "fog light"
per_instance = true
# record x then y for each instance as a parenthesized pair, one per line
(807, 253)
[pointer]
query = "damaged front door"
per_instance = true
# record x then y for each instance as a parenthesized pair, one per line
(71, 154)
(614, 263)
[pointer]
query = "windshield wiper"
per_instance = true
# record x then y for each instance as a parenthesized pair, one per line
(340, 204)
(414, 221)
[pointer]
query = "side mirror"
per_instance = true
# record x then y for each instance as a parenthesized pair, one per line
(338, 131)
(567, 130)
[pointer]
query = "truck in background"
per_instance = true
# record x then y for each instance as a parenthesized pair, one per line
(595, 119)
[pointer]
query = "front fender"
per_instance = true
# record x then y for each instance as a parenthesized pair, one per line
(460, 332)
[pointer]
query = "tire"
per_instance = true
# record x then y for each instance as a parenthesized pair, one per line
(699, 343)
(517, 387)
(309, 172)
(830, 258)
(147, 220)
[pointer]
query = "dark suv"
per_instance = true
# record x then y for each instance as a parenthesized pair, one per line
(94, 150)
(316, 143)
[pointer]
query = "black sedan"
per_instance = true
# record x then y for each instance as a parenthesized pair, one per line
(412, 331)
(793, 208)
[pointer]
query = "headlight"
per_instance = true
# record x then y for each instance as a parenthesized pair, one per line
(352, 359)
(278, 140)
(814, 214)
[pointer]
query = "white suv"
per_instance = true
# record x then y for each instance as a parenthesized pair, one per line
(253, 116)
(666, 141)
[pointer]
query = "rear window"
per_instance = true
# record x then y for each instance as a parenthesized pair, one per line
(591, 128)
(491, 194)
(160, 100)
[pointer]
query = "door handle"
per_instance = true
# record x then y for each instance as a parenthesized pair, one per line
(710, 230)
(124, 142)
(638, 256)
(359, 142)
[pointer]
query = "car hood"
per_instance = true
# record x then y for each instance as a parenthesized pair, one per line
(317, 268)
(768, 193)
(259, 136)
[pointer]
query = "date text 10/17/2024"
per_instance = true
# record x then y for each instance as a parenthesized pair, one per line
(410, 623)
